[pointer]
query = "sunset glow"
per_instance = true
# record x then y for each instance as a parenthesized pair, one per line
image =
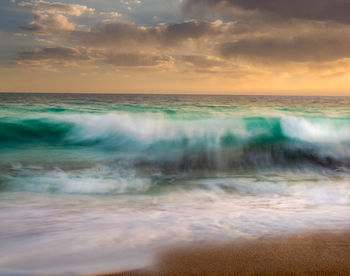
(175, 46)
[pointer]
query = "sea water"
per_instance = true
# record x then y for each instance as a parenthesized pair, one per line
(93, 183)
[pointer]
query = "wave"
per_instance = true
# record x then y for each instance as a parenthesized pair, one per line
(95, 180)
(190, 143)
(118, 179)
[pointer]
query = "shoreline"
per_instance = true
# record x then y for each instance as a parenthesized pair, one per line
(310, 253)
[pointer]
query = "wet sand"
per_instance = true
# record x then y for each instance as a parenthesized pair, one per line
(321, 253)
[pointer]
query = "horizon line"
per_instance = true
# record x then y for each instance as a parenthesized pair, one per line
(171, 93)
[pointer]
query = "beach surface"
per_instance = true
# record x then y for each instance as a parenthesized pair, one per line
(317, 253)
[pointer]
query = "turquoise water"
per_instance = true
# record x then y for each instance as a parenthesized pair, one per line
(114, 178)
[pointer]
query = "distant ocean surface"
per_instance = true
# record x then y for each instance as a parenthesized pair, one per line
(92, 183)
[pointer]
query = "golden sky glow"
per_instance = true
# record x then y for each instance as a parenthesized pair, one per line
(189, 46)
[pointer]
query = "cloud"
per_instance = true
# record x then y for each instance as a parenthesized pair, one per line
(310, 47)
(110, 15)
(52, 17)
(263, 33)
(56, 7)
(136, 60)
(202, 61)
(48, 23)
(279, 31)
(53, 55)
(323, 10)
(119, 34)
(66, 56)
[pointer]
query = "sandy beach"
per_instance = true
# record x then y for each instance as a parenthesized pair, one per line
(321, 253)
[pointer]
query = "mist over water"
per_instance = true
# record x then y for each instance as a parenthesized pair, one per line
(92, 183)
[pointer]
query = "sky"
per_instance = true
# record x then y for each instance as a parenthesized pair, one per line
(299, 47)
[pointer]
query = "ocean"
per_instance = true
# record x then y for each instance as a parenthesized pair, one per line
(92, 183)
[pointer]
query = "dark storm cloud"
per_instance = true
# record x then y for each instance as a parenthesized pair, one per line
(127, 34)
(307, 48)
(335, 10)
(280, 30)
(276, 31)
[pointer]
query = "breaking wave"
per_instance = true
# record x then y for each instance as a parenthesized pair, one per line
(184, 143)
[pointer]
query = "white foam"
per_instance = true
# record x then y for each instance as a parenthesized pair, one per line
(96, 180)
(75, 234)
(149, 128)
(331, 131)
